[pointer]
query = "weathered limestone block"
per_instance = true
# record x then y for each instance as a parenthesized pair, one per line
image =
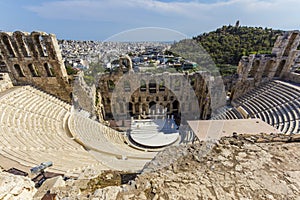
(16, 187)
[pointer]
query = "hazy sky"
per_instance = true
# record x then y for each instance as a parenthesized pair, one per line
(101, 19)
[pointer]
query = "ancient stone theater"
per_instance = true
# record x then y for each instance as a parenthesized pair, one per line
(128, 117)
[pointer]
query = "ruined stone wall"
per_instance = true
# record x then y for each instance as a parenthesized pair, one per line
(254, 70)
(84, 96)
(34, 59)
(134, 94)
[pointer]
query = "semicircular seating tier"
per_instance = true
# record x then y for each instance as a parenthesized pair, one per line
(33, 130)
(107, 145)
(276, 102)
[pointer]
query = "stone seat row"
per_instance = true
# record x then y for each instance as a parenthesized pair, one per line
(277, 90)
(36, 104)
(68, 162)
(230, 113)
(260, 89)
(93, 135)
(26, 122)
(276, 103)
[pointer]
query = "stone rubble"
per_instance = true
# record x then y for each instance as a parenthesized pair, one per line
(16, 187)
(245, 167)
(239, 167)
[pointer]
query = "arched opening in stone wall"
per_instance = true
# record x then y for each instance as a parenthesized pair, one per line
(157, 93)
(21, 40)
(3, 67)
(175, 105)
(49, 70)
(290, 44)
(162, 86)
(31, 47)
(130, 108)
(254, 69)
(143, 86)
(268, 68)
(43, 45)
(110, 85)
(152, 107)
(298, 47)
(152, 86)
(8, 46)
(19, 70)
(145, 108)
(137, 108)
(176, 111)
(33, 70)
(125, 62)
(38, 43)
(168, 106)
(280, 68)
(165, 98)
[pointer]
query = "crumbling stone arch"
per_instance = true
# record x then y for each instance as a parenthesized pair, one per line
(175, 106)
(145, 108)
(143, 86)
(152, 105)
(137, 108)
(268, 68)
(37, 41)
(130, 108)
(162, 86)
(110, 85)
(33, 70)
(19, 70)
(152, 86)
(280, 68)
(254, 69)
(49, 70)
(21, 43)
(3, 66)
(125, 62)
(7, 45)
(290, 43)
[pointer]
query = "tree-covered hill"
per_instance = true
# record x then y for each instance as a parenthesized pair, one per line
(228, 44)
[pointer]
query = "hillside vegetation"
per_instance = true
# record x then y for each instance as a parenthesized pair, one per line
(228, 44)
